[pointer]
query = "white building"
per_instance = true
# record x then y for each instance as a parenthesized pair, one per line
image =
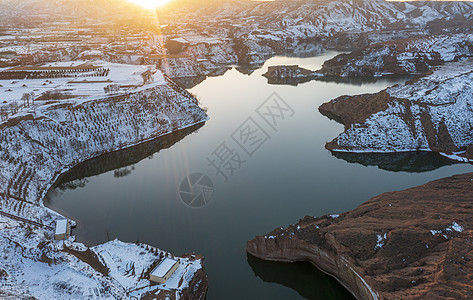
(164, 270)
(63, 230)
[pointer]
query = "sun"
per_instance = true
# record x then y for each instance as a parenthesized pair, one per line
(151, 4)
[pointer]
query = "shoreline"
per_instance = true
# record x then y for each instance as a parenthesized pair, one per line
(388, 248)
(35, 208)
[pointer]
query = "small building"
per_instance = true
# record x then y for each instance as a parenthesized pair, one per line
(63, 230)
(164, 270)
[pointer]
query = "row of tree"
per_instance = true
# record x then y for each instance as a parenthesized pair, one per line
(28, 99)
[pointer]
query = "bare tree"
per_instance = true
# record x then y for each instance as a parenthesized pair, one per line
(111, 88)
(32, 96)
(28, 99)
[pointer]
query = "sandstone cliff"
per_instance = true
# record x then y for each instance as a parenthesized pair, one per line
(411, 244)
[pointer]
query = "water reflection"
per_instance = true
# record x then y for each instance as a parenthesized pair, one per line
(123, 172)
(359, 81)
(356, 81)
(121, 162)
(412, 162)
(72, 185)
(189, 82)
(303, 277)
(289, 81)
(247, 70)
(219, 71)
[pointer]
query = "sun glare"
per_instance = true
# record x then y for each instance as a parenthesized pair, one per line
(151, 4)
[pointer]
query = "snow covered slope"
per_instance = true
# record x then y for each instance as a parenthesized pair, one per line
(36, 146)
(433, 113)
(325, 17)
(32, 266)
(115, 270)
(408, 56)
(248, 32)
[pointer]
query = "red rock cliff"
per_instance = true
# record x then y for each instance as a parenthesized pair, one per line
(411, 244)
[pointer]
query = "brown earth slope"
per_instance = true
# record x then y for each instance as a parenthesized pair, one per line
(411, 244)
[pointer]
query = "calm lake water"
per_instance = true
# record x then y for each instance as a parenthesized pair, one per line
(134, 194)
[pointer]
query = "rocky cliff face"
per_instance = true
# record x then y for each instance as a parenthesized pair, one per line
(388, 248)
(405, 56)
(432, 113)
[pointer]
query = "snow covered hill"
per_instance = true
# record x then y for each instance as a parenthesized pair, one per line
(326, 17)
(36, 147)
(216, 34)
(407, 56)
(296, 18)
(248, 32)
(433, 113)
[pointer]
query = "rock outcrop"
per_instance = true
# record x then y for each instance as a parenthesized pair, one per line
(411, 244)
(292, 74)
(432, 113)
